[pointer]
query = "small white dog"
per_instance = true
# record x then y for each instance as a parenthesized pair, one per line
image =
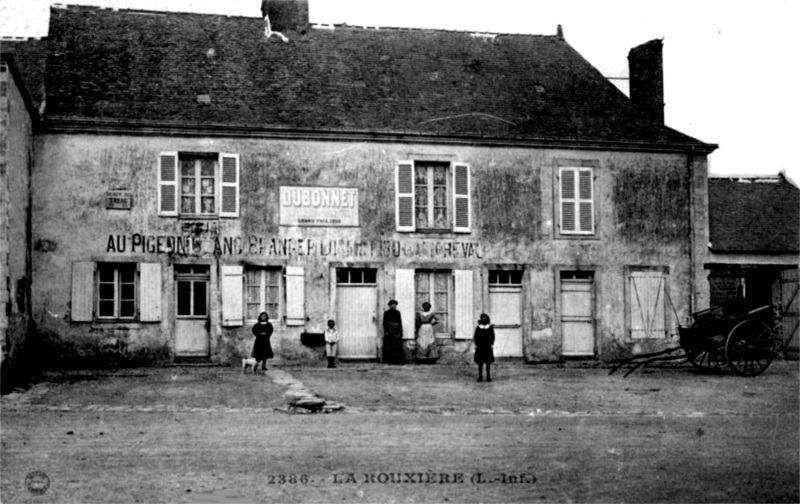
(249, 361)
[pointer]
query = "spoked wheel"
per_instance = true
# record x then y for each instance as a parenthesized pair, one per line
(750, 347)
(706, 360)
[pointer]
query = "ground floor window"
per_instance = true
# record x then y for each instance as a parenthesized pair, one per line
(116, 291)
(647, 301)
(434, 287)
(262, 293)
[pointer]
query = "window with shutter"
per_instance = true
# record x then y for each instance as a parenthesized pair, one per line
(576, 196)
(433, 195)
(198, 185)
(262, 293)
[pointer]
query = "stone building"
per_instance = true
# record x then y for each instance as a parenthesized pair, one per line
(18, 120)
(195, 170)
(754, 247)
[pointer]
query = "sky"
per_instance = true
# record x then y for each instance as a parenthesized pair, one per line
(729, 67)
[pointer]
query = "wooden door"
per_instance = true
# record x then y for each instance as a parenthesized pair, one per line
(789, 328)
(356, 300)
(577, 326)
(505, 312)
(191, 311)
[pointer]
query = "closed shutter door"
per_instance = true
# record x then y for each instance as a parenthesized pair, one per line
(461, 198)
(464, 307)
(168, 183)
(229, 187)
(82, 308)
(232, 295)
(150, 292)
(647, 305)
(295, 296)
(404, 196)
(404, 294)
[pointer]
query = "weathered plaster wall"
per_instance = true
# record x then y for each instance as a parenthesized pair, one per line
(16, 143)
(514, 220)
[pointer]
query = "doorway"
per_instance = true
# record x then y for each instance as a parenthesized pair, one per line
(191, 310)
(356, 308)
(577, 325)
(505, 311)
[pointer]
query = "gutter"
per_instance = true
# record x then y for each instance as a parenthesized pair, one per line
(59, 124)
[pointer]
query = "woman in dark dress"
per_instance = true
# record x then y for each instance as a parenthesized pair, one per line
(393, 335)
(262, 350)
(484, 341)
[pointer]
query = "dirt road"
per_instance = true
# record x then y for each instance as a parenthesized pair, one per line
(135, 453)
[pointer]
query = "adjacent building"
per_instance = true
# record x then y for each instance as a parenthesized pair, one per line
(754, 248)
(195, 170)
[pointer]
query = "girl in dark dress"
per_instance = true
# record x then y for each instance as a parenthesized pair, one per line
(484, 341)
(392, 335)
(262, 350)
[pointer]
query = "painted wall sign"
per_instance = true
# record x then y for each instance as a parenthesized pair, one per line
(119, 200)
(193, 245)
(319, 206)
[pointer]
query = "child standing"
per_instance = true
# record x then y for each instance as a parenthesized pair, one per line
(331, 343)
(484, 342)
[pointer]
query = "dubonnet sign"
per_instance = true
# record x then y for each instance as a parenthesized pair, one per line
(319, 206)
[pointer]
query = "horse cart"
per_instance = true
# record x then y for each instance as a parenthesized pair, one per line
(741, 339)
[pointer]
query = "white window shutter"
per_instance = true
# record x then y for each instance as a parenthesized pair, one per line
(404, 295)
(568, 203)
(462, 205)
(168, 183)
(150, 292)
(464, 306)
(404, 196)
(646, 294)
(229, 186)
(585, 201)
(232, 295)
(295, 296)
(82, 302)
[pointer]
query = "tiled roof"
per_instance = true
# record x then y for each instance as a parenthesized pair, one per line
(195, 69)
(754, 215)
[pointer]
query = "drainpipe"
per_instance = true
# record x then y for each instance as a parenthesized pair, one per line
(692, 281)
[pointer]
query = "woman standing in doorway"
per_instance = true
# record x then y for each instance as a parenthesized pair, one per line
(426, 342)
(392, 335)
(262, 350)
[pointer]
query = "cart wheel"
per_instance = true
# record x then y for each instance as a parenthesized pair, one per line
(750, 347)
(705, 360)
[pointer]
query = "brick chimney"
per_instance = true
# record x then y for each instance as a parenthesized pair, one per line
(645, 64)
(286, 15)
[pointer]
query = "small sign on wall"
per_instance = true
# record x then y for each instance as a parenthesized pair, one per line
(319, 206)
(119, 200)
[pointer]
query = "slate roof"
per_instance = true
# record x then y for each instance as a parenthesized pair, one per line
(195, 69)
(754, 215)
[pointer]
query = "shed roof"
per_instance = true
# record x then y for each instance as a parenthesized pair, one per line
(197, 69)
(754, 215)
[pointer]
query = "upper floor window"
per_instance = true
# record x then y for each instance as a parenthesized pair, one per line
(576, 197)
(198, 184)
(433, 196)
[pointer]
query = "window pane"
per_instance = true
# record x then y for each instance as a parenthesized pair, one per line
(187, 167)
(199, 298)
(370, 276)
(105, 273)
(127, 291)
(252, 311)
(188, 186)
(207, 167)
(127, 273)
(516, 277)
(356, 276)
(492, 277)
(341, 275)
(106, 308)
(126, 309)
(187, 205)
(207, 186)
(207, 204)
(107, 291)
(184, 298)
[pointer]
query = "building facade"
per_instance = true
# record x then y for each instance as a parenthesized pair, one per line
(212, 169)
(17, 122)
